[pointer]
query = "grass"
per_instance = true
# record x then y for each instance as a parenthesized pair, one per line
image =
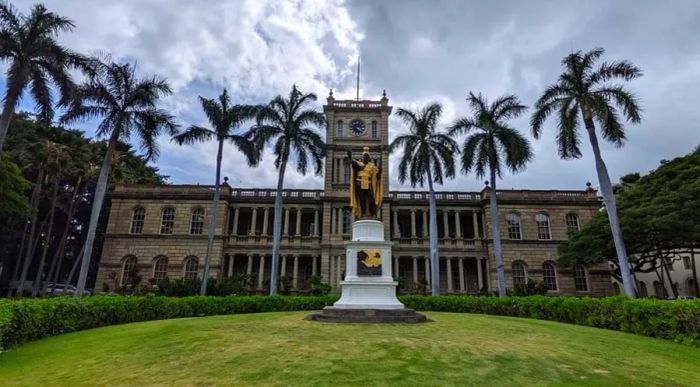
(284, 349)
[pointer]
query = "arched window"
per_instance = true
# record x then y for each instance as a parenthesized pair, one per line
(375, 131)
(197, 223)
(549, 276)
(659, 290)
(643, 292)
(690, 283)
(580, 278)
(519, 273)
(346, 220)
(513, 221)
(167, 220)
(137, 218)
(339, 129)
(572, 223)
(190, 267)
(128, 270)
(616, 288)
(543, 231)
(160, 268)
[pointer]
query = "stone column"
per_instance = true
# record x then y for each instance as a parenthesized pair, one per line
(283, 271)
(235, 220)
(413, 223)
(461, 274)
(397, 234)
(479, 274)
(340, 221)
(476, 224)
(339, 269)
(230, 265)
(415, 270)
(249, 268)
(316, 223)
(425, 224)
(253, 221)
(446, 224)
(295, 272)
(261, 272)
(298, 225)
(458, 226)
(286, 221)
(331, 269)
(314, 262)
(263, 232)
(427, 271)
(450, 288)
(396, 267)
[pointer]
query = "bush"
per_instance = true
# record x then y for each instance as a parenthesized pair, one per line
(530, 288)
(318, 287)
(240, 284)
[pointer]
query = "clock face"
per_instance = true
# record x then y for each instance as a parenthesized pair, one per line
(357, 127)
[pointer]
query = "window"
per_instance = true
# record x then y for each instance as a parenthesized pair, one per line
(346, 171)
(616, 288)
(339, 129)
(659, 289)
(643, 292)
(543, 231)
(128, 270)
(346, 220)
(137, 220)
(580, 278)
(549, 276)
(197, 223)
(167, 220)
(513, 221)
(519, 273)
(190, 268)
(686, 263)
(160, 268)
(572, 223)
(375, 131)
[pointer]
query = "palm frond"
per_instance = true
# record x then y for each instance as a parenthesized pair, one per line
(193, 134)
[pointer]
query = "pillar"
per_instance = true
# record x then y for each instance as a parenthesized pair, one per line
(314, 262)
(253, 221)
(476, 224)
(427, 271)
(266, 214)
(461, 274)
(413, 223)
(261, 271)
(283, 271)
(331, 271)
(298, 225)
(315, 224)
(338, 269)
(339, 226)
(479, 274)
(249, 268)
(286, 222)
(458, 226)
(450, 288)
(446, 224)
(415, 270)
(396, 267)
(397, 234)
(425, 224)
(295, 272)
(230, 265)
(235, 220)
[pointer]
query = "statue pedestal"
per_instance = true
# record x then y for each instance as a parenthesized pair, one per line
(369, 290)
(368, 283)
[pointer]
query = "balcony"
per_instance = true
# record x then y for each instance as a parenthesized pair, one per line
(301, 241)
(467, 244)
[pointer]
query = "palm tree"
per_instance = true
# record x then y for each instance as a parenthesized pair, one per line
(489, 144)
(293, 128)
(35, 60)
(588, 90)
(428, 156)
(225, 120)
(127, 106)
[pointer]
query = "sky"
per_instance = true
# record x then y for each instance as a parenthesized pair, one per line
(418, 51)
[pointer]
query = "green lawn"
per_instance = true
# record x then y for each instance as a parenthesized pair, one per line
(284, 349)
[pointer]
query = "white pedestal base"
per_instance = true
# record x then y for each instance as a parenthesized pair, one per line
(362, 290)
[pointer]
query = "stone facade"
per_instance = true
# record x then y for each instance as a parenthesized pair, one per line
(316, 225)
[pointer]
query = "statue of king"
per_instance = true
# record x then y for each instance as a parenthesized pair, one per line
(366, 186)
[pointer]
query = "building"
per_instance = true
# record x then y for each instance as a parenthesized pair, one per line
(656, 283)
(161, 230)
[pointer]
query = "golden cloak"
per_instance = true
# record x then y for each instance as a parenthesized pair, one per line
(368, 175)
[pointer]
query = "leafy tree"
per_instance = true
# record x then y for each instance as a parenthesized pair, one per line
(35, 61)
(225, 120)
(13, 204)
(490, 145)
(127, 106)
(293, 127)
(585, 89)
(427, 157)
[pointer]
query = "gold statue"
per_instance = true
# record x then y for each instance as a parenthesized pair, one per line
(365, 186)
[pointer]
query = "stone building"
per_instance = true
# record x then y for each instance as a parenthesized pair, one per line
(162, 230)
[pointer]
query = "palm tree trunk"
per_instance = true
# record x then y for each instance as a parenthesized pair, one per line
(434, 253)
(277, 227)
(78, 259)
(611, 207)
(42, 261)
(98, 200)
(32, 229)
(495, 226)
(7, 111)
(695, 271)
(674, 290)
(212, 219)
(18, 264)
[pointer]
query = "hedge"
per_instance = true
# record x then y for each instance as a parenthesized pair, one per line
(27, 320)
